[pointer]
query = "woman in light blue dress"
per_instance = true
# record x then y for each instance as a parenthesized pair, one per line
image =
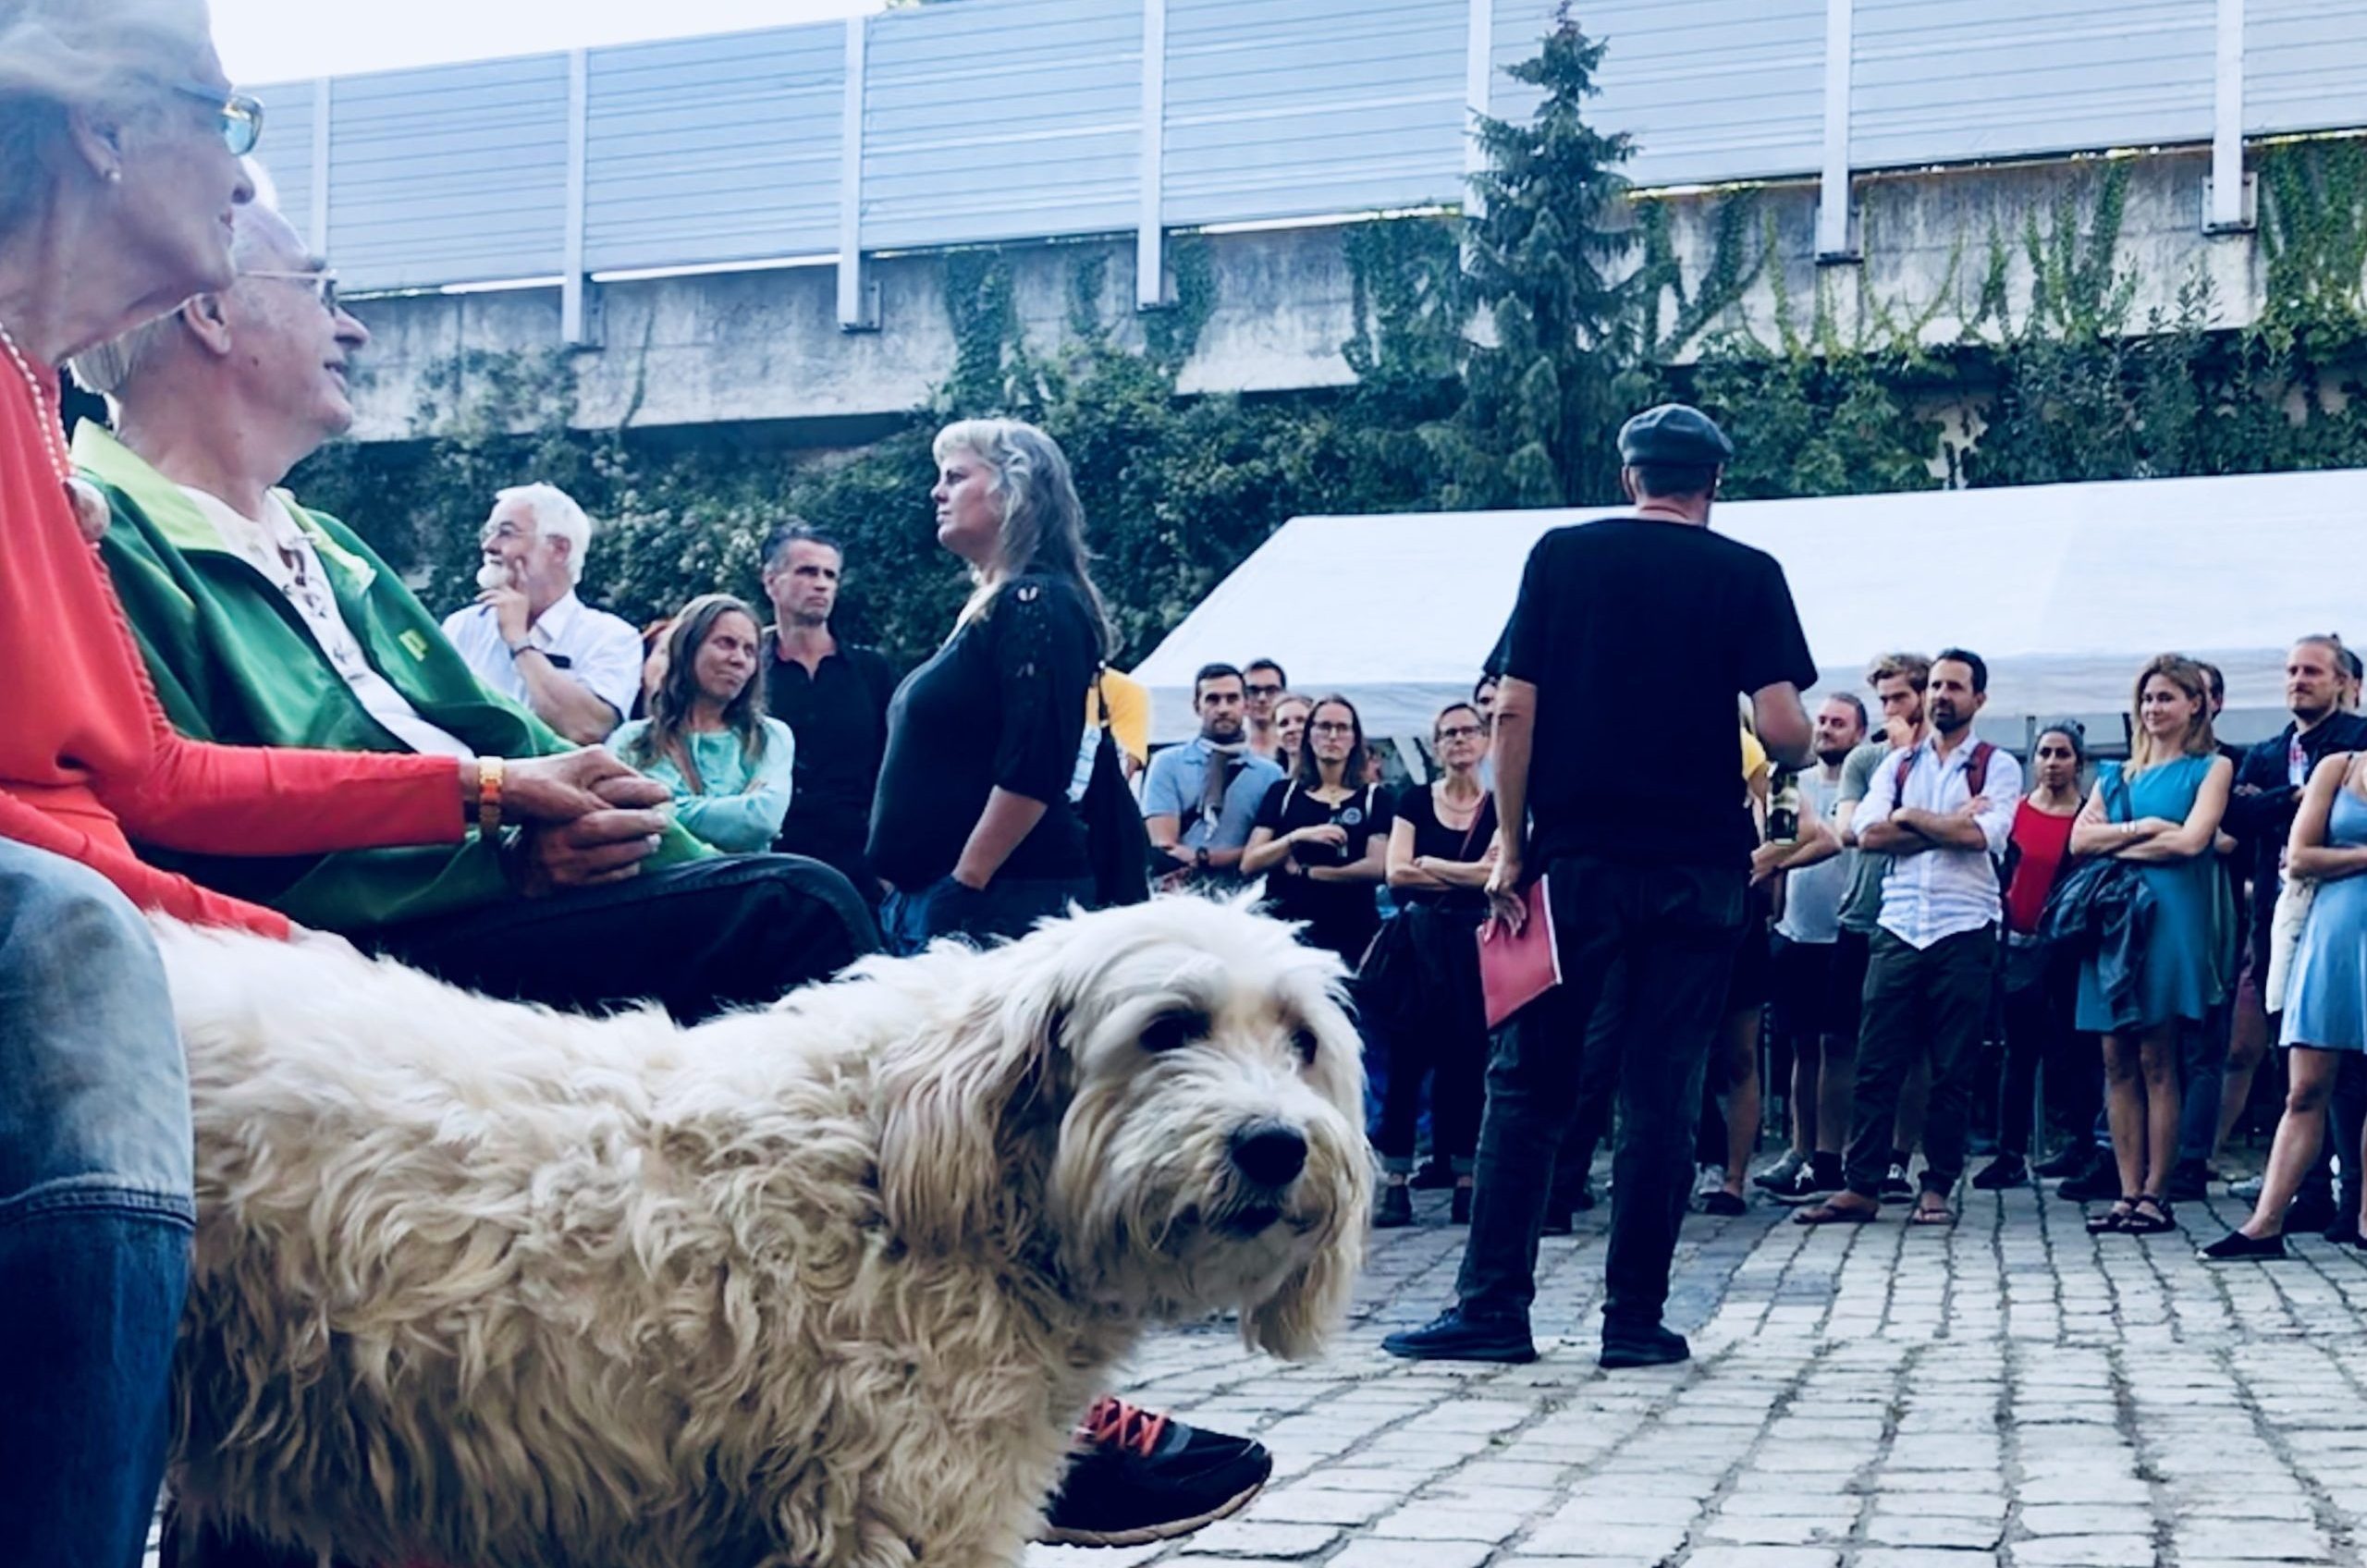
(2325, 997)
(708, 737)
(2159, 810)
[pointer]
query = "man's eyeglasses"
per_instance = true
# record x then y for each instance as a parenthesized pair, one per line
(1265, 691)
(1462, 732)
(1332, 727)
(323, 284)
(241, 116)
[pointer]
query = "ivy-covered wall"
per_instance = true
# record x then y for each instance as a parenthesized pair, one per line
(2036, 362)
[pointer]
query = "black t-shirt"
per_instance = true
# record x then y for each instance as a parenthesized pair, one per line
(1418, 806)
(1627, 627)
(1340, 915)
(840, 716)
(1001, 704)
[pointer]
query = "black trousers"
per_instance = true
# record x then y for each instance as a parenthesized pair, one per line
(1670, 932)
(735, 931)
(1920, 1001)
(2040, 990)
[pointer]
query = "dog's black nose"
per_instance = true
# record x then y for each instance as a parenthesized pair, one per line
(1268, 1153)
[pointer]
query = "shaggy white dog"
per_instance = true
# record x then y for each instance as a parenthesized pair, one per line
(494, 1287)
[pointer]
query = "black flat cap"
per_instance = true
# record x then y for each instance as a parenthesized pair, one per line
(1674, 434)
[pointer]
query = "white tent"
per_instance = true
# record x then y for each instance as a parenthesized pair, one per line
(2064, 589)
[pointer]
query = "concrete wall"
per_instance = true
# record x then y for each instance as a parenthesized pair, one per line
(765, 346)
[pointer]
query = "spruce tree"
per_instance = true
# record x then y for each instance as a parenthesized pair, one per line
(1542, 402)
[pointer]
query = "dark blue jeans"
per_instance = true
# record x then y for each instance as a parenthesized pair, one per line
(1004, 908)
(96, 1215)
(1670, 933)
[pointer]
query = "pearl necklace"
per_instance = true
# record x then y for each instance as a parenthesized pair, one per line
(52, 421)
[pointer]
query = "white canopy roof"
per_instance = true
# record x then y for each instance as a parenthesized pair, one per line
(2064, 589)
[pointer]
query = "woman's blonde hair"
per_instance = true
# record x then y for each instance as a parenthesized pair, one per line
(57, 55)
(2188, 677)
(1043, 522)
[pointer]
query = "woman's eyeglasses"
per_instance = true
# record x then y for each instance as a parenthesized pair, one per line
(322, 283)
(241, 116)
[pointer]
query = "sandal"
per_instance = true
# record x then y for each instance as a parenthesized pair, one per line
(1941, 1218)
(1829, 1214)
(2149, 1218)
(2114, 1219)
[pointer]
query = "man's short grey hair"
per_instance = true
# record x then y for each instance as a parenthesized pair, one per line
(556, 515)
(108, 369)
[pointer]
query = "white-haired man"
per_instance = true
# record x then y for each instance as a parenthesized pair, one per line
(528, 637)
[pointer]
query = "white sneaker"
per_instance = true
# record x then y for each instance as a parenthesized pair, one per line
(1712, 1178)
(1780, 1173)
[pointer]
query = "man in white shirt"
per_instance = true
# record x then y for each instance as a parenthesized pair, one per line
(528, 637)
(1941, 810)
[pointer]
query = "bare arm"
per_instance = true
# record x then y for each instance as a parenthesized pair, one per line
(1515, 733)
(1782, 720)
(562, 701)
(2194, 836)
(2307, 852)
(1407, 869)
(1371, 866)
(1264, 851)
(1008, 817)
(1818, 844)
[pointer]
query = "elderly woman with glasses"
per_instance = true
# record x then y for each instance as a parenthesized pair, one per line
(120, 147)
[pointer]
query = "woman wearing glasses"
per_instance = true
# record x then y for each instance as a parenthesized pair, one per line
(1322, 837)
(1420, 988)
(120, 147)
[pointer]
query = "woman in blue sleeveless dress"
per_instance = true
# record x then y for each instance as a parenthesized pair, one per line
(2325, 999)
(2160, 811)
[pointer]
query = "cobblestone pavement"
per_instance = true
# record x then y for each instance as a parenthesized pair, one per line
(2012, 1392)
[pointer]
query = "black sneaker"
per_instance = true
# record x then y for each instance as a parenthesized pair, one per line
(1806, 1187)
(1435, 1176)
(1557, 1222)
(2099, 1184)
(2311, 1211)
(1895, 1187)
(2005, 1171)
(1623, 1347)
(1458, 1207)
(1724, 1205)
(2190, 1181)
(1453, 1337)
(2071, 1160)
(1394, 1209)
(1141, 1477)
(1780, 1173)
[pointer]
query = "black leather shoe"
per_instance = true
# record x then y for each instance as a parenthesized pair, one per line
(1623, 1347)
(2100, 1182)
(1393, 1210)
(2190, 1181)
(2005, 1171)
(1453, 1337)
(2069, 1160)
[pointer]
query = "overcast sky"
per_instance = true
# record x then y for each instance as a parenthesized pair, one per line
(265, 41)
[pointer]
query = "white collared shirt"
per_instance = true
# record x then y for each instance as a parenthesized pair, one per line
(1941, 892)
(602, 651)
(275, 545)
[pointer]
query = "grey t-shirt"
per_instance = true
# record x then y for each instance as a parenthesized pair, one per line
(1861, 908)
(1813, 897)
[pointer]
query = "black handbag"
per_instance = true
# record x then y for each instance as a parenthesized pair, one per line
(1116, 842)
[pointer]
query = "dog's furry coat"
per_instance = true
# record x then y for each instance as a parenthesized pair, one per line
(827, 1285)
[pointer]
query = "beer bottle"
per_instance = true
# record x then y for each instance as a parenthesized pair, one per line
(1783, 808)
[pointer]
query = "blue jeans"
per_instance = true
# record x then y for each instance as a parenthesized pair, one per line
(95, 1215)
(1006, 907)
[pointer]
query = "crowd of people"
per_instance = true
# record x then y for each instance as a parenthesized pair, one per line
(230, 710)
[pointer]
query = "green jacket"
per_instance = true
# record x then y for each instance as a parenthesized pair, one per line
(234, 662)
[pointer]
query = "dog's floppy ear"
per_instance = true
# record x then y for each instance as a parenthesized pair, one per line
(1293, 1322)
(970, 1108)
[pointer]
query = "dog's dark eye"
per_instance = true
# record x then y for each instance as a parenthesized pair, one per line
(1302, 1041)
(1171, 1030)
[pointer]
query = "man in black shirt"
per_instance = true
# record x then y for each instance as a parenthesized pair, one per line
(1645, 867)
(832, 695)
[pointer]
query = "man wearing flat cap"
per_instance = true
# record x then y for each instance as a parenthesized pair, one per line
(1644, 869)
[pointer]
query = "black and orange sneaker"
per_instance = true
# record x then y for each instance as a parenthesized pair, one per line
(1140, 1477)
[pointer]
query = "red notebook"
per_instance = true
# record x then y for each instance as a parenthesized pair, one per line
(1517, 970)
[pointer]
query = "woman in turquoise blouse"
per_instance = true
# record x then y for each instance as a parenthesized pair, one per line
(707, 738)
(2160, 811)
